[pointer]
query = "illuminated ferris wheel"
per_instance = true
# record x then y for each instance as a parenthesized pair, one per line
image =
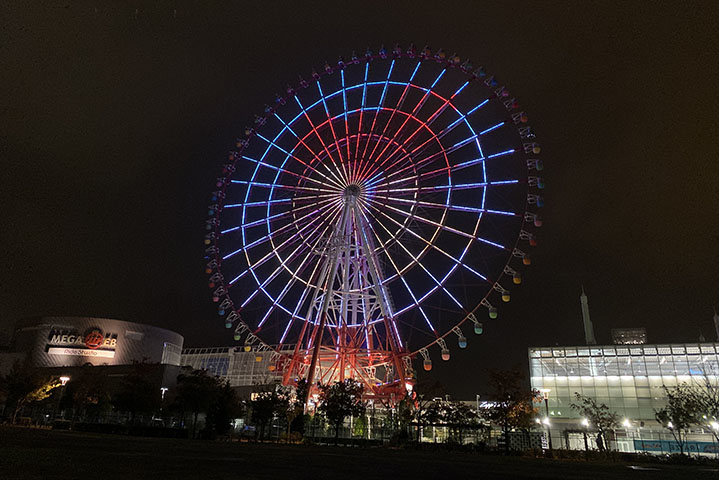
(370, 212)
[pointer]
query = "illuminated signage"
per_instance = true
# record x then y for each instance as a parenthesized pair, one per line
(93, 343)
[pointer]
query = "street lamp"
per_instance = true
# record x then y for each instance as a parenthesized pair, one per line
(545, 394)
(585, 424)
(63, 381)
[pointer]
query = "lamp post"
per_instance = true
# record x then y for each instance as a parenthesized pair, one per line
(627, 424)
(585, 424)
(545, 394)
(63, 381)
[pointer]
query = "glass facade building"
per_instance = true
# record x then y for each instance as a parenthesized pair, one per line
(241, 366)
(627, 378)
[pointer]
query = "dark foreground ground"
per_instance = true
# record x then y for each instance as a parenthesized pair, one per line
(31, 453)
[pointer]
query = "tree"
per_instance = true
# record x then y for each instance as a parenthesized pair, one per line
(224, 407)
(513, 405)
(340, 400)
(88, 393)
(459, 416)
(195, 393)
(680, 413)
(137, 393)
(23, 385)
(599, 416)
(706, 400)
(264, 406)
(423, 397)
(294, 405)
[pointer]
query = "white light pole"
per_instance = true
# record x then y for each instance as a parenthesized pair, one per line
(545, 394)
(63, 381)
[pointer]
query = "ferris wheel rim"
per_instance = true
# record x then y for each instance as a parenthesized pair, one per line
(245, 249)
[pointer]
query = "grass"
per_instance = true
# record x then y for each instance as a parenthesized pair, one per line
(32, 453)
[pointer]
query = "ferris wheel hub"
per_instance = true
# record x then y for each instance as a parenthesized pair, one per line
(352, 190)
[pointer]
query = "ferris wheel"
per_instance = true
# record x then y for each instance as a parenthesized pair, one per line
(373, 214)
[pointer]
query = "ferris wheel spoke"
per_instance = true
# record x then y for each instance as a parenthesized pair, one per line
(449, 229)
(278, 216)
(347, 128)
(416, 261)
(295, 275)
(337, 180)
(424, 125)
(447, 206)
(433, 245)
(316, 133)
(399, 275)
(300, 302)
(269, 236)
(332, 130)
(419, 163)
(473, 138)
(397, 108)
(281, 267)
(279, 186)
(363, 105)
(265, 203)
(459, 166)
(408, 116)
(439, 188)
(252, 266)
(380, 106)
(294, 157)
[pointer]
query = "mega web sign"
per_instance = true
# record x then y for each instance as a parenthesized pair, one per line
(93, 342)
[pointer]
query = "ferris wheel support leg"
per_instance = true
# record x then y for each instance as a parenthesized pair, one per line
(335, 250)
(315, 354)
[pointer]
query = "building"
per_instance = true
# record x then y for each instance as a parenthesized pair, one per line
(629, 379)
(244, 367)
(629, 336)
(63, 345)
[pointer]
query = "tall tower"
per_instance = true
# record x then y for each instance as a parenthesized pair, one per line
(588, 327)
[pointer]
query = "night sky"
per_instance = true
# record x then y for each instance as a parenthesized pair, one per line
(115, 118)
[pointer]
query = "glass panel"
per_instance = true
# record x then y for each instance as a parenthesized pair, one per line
(696, 366)
(652, 365)
(638, 366)
(644, 392)
(611, 366)
(681, 366)
(625, 365)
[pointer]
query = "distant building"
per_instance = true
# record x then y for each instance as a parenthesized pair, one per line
(629, 336)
